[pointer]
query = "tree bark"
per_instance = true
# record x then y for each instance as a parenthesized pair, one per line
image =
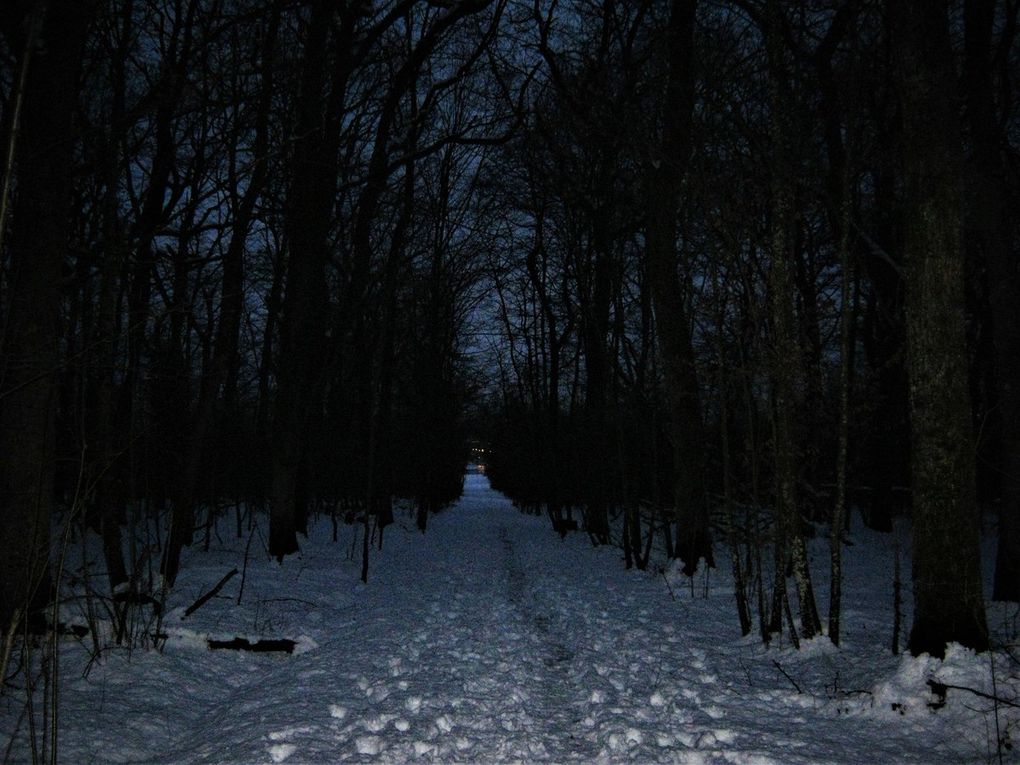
(786, 357)
(664, 182)
(303, 323)
(948, 604)
(988, 245)
(29, 361)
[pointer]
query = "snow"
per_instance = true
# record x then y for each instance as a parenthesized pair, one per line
(490, 639)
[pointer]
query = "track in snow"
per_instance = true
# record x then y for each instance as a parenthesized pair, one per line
(488, 639)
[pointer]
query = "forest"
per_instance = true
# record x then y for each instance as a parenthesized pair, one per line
(704, 276)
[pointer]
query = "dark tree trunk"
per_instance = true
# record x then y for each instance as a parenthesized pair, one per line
(29, 356)
(886, 453)
(988, 245)
(273, 300)
(596, 324)
(786, 357)
(109, 496)
(303, 323)
(665, 176)
(838, 184)
(948, 604)
(380, 457)
(536, 264)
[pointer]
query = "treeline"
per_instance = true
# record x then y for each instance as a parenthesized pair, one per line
(237, 256)
(757, 270)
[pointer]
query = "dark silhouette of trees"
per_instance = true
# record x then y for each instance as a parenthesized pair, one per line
(771, 240)
(264, 257)
(229, 169)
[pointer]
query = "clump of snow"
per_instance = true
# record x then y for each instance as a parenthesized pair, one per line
(305, 643)
(369, 745)
(280, 752)
(412, 704)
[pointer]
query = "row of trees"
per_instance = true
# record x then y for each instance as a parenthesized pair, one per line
(236, 262)
(755, 270)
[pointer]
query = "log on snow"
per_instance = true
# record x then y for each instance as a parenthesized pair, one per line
(260, 646)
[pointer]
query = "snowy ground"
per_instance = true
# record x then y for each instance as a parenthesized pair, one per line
(489, 639)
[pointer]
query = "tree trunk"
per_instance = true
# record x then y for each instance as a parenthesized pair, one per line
(948, 604)
(846, 316)
(839, 209)
(740, 589)
(988, 245)
(595, 323)
(109, 497)
(29, 361)
(786, 355)
(665, 176)
(303, 323)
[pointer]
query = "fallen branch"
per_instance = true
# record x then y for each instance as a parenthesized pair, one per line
(262, 646)
(244, 573)
(668, 585)
(787, 676)
(290, 600)
(940, 690)
(209, 595)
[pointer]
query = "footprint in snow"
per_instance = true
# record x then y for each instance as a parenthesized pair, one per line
(413, 704)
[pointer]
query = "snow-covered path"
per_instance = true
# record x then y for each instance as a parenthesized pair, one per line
(490, 639)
